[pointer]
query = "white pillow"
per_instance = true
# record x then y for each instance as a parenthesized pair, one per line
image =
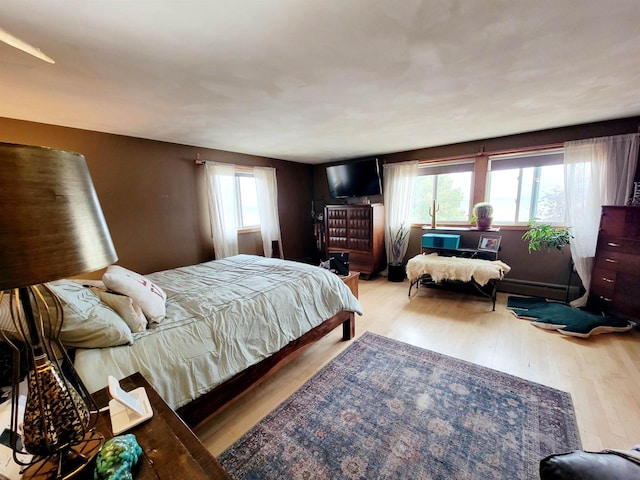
(149, 296)
(88, 323)
(124, 306)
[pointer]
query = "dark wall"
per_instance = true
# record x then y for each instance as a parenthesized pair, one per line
(153, 194)
(538, 267)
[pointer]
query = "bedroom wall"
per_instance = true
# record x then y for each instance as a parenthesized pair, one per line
(528, 270)
(153, 194)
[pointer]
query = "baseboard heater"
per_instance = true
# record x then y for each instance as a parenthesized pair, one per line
(538, 289)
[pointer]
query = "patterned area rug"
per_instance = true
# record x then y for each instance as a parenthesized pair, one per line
(383, 409)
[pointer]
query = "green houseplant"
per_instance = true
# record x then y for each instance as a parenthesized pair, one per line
(482, 215)
(395, 265)
(543, 236)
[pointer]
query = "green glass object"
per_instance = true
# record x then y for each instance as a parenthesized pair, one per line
(117, 457)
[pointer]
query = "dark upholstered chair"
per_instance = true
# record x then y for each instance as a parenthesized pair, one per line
(581, 465)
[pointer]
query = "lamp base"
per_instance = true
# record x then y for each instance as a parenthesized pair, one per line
(66, 463)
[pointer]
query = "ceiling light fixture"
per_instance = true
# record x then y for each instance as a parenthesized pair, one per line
(9, 39)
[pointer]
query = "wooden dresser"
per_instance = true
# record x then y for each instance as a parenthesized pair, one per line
(615, 281)
(359, 230)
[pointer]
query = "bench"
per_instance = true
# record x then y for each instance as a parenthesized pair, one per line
(432, 268)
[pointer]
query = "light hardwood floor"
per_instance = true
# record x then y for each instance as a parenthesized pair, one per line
(602, 372)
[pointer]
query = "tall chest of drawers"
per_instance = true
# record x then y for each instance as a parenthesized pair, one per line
(615, 281)
(359, 230)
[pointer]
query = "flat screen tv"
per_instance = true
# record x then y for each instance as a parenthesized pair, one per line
(361, 178)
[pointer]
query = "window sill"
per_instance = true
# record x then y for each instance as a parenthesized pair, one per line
(458, 228)
(248, 230)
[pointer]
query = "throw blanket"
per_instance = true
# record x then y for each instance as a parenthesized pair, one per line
(456, 268)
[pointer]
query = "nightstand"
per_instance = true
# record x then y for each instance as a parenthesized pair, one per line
(171, 449)
(351, 281)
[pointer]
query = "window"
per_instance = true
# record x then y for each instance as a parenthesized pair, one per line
(450, 185)
(527, 186)
(248, 216)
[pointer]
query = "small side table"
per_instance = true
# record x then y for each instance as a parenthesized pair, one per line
(171, 449)
(351, 281)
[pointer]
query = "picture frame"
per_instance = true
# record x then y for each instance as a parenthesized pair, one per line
(489, 243)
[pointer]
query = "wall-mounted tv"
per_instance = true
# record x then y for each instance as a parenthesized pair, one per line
(360, 178)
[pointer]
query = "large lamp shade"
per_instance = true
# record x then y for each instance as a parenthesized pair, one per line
(51, 226)
(51, 223)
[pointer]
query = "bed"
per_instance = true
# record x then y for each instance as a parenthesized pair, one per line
(434, 269)
(227, 323)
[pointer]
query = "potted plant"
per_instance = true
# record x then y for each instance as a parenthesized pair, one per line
(482, 215)
(545, 236)
(395, 265)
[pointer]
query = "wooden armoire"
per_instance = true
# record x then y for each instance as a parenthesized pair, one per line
(359, 230)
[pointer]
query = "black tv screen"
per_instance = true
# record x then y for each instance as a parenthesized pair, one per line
(355, 179)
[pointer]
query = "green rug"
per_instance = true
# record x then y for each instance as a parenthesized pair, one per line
(383, 409)
(564, 318)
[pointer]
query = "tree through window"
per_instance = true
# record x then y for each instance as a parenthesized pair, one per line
(449, 184)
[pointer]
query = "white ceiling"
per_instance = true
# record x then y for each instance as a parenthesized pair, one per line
(321, 80)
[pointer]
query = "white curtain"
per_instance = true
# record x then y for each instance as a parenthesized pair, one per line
(267, 187)
(221, 191)
(598, 171)
(399, 179)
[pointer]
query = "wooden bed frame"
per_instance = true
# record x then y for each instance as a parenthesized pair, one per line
(204, 406)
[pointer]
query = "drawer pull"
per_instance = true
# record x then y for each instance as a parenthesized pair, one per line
(612, 244)
(610, 260)
(608, 280)
(605, 299)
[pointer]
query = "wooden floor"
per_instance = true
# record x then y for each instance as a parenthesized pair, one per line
(602, 372)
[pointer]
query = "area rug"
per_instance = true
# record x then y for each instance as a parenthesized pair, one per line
(383, 409)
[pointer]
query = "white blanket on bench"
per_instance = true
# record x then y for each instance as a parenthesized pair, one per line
(456, 268)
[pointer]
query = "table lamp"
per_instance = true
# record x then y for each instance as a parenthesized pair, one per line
(51, 227)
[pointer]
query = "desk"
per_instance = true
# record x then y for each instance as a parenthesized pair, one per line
(446, 250)
(171, 449)
(462, 252)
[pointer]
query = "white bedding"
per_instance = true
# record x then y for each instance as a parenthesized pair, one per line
(222, 317)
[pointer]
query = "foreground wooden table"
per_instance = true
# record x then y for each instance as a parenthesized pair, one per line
(171, 449)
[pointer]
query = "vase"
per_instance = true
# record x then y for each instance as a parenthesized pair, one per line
(484, 223)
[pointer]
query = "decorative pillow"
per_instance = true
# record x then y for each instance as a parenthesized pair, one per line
(88, 323)
(149, 296)
(130, 311)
